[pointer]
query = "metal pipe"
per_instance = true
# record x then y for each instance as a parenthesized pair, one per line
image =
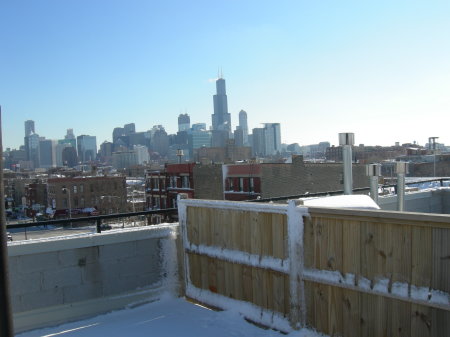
(346, 140)
(402, 169)
(373, 171)
(6, 321)
(400, 192)
(374, 188)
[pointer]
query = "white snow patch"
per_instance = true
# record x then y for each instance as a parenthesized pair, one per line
(342, 201)
(167, 317)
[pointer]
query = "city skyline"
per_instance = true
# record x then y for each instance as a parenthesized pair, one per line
(378, 70)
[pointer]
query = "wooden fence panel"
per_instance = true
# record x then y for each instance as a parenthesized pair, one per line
(362, 273)
(381, 254)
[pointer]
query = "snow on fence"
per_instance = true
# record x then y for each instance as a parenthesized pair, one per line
(341, 271)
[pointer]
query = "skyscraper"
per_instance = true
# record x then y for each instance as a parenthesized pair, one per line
(87, 148)
(221, 119)
(184, 122)
(29, 127)
(243, 126)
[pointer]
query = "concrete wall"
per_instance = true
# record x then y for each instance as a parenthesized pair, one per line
(435, 201)
(55, 280)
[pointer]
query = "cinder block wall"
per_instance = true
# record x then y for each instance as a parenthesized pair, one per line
(300, 177)
(61, 273)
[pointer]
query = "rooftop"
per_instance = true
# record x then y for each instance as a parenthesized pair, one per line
(168, 317)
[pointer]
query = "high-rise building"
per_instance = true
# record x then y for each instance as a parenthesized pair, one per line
(221, 119)
(272, 138)
(267, 140)
(243, 126)
(47, 153)
(87, 148)
(129, 128)
(32, 146)
(184, 122)
(29, 127)
(69, 156)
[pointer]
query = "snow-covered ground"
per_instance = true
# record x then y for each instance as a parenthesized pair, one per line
(167, 317)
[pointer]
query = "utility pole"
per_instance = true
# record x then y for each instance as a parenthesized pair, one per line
(6, 322)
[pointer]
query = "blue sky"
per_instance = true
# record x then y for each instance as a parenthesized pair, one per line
(380, 69)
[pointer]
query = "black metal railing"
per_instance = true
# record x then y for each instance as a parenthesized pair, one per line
(340, 192)
(170, 213)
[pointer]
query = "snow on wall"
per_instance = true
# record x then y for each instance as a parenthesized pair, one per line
(238, 206)
(257, 314)
(382, 286)
(239, 257)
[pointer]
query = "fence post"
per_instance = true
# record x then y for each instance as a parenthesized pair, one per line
(99, 225)
(183, 243)
(295, 248)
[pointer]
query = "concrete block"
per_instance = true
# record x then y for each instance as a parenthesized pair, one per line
(16, 303)
(25, 282)
(62, 277)
(148, 247)
(92, 273)
(82, 292)
(114, 286)
(42, 299)
(117, 251)
(38, 262)
(149, 279)
(78, 257)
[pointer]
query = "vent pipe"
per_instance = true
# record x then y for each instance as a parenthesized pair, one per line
(346, 140)
(402, 170)
(373, 171)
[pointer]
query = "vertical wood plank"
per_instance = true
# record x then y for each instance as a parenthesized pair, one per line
(421, 272)
(441, 278)
(351, 256)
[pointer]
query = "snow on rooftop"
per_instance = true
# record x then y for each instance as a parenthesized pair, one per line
(168, 317)
(342, 201)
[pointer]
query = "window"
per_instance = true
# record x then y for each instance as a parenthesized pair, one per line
(185, 182)
(82, 202)
(75, 201)
(163, 183)
(252, 185)
(230, 184)
(91, 187)
(155, 183)
(65, 203)
(241, 184)
(173, 181)
(75, 188)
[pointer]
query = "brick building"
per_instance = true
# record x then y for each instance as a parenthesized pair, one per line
(268, 180)
(107, 194)
(163, 186)
(36, 197)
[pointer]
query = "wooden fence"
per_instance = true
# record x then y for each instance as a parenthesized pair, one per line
(342, 272)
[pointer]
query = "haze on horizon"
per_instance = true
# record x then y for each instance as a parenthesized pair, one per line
(377, 69)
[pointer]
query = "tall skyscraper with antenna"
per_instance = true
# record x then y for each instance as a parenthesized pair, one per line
(221, 119)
